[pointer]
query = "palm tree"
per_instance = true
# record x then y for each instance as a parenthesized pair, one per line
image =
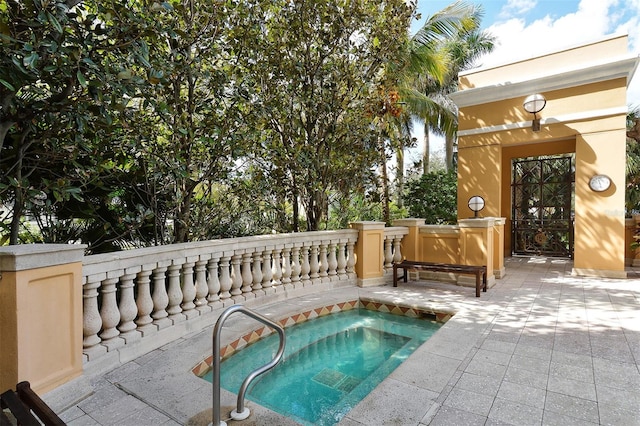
(448, 42)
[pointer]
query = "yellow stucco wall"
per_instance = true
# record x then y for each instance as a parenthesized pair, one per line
(585, 87)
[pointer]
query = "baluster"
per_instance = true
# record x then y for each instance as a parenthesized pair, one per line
(247, 276)
(91, 320)
(144, 300)
(277, 268)
(225, 278)
(324, 266)
(127, 307)
(256, 271)
(160, 298)
(332, 262)
(397, 254)
(342, 261)
(295, 265)
(305, 267)
(174, 292)
(267, 273)
(286, 265)
(201, 284)
(109, 310)
(351, 259)
(213, 282)
(236, 275)
(388, 256)
(313, 264)
(188, 290)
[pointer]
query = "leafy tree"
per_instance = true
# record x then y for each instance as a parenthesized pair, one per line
(433, 197)
(58, 80)
(316, 66)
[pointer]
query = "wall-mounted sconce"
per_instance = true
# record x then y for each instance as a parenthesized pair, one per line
(476, 203)
(599, 183)
(534, 104)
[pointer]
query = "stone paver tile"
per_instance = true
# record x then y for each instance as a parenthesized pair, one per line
(573, 407)
(477, 403)
(526, 377)
(572, 387)
(494, 357)
(573, 372)
(498, 346)
(533, 351)
(616, 416)
(537, 365)
(568, 358)
(104, 396)
(145, 417)
(484, 368)
(551, 418)
(85, 420)
(615, 351)
(114, 413)
(413, 371)
(450, 416)
(615, 374)
(542, 342)
(526, 395)
(394, 402)
(480, 384)
(516, 414)
(628, 399)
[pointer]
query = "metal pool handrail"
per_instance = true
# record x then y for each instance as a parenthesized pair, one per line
(241, 411)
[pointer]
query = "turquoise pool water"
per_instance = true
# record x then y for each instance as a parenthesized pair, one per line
(331, 363)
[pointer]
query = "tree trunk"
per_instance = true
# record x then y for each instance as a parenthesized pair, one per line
(425, 150)
(449, 141)
(400, 176)
(385, 184)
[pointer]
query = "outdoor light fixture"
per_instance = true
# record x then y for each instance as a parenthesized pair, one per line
(476, 203)
(534, 104)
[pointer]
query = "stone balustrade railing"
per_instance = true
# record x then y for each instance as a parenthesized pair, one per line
(130, 295)
(392, 245)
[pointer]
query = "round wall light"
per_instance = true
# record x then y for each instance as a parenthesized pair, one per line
(476, 203)
(534, 104)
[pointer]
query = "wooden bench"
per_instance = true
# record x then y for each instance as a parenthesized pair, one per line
(27, 408)
(479, 271)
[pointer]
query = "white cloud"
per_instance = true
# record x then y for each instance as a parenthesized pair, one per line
(516, 7)
(594, 19)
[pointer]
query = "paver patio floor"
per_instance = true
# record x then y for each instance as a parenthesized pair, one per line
(541, 347)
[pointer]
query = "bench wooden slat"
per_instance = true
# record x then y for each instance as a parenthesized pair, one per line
(478, 271)
(33, 401)
(18, 409)
(27, 408)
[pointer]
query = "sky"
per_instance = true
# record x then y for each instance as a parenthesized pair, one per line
(526, 28)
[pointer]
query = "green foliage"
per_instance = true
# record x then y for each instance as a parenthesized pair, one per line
(433, 197)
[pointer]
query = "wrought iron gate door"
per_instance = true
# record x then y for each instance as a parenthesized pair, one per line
(542, 210)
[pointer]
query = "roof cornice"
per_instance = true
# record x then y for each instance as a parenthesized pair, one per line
(597, 72)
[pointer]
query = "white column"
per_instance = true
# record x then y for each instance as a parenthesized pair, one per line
(188, 290)
(388, 255)
(324, 264)
(174, 292)
(236, 275)
(225, 278)
(144, 300)
(305, 267)
(160, 297)
(213, 282)
(342, 261)
(295, 265)
(267, 273)
(247, 276)
(277, 268)
(286, 265)
(109, 310)
(202, 289)
(127, 307)
(332, 262)
(256, 271)
(91, 320)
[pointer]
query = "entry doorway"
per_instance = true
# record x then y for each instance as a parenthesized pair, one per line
(542, 199)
